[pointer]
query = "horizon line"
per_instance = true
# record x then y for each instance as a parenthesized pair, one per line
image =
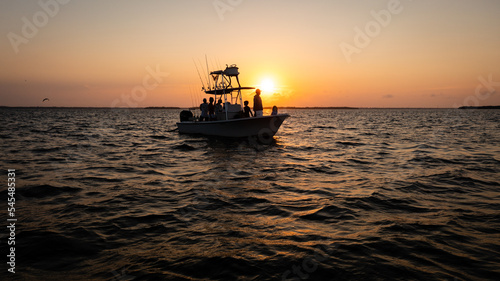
(283, 107)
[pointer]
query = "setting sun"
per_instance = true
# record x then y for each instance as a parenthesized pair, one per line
(267, 86)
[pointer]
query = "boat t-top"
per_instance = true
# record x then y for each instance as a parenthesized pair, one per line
(230, 122)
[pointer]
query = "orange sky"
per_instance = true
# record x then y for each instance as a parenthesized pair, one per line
(390, 53)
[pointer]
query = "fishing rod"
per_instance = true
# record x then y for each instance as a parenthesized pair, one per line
(208, 72)
(199, 75)
(201, 67)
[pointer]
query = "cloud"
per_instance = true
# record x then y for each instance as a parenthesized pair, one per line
(388, 96)
(440, 95)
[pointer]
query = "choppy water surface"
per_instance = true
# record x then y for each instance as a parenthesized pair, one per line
(339, 195)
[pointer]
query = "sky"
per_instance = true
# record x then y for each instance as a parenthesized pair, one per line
(377, 53)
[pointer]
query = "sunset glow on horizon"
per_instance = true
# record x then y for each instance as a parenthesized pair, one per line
(384, 53)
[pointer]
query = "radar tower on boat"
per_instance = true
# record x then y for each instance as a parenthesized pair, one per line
(223, 86)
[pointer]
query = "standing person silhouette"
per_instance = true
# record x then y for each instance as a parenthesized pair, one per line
(257, 104)
(204, 110)
(246, 110)
(218, 106)
(211, 109)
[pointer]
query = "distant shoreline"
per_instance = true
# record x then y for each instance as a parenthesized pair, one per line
(283, 107)
(480, 107)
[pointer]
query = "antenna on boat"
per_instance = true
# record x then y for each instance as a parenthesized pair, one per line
(191, 95)
(199, 74)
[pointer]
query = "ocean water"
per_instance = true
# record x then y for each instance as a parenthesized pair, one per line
(369, 194)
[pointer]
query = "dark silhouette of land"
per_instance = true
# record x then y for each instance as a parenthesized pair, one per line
(480, 107)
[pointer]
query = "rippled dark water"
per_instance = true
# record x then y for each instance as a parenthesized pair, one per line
(339, 195)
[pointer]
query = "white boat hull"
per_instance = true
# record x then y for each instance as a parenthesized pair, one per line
(265, 126)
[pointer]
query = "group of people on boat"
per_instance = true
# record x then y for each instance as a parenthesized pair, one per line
(209, 110)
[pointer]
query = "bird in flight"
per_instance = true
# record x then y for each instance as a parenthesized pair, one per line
(45, 99)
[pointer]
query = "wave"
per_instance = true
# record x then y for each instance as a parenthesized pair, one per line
(348, 143)
(45, 190)
(381, 202)
(184, 147)
(50, 250)
(330, 212)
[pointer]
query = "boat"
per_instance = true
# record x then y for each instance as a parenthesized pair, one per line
(230, 121)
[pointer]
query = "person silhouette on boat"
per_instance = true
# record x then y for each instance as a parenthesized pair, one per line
(211, 109)
(247, 112)
(275, 110)
(218, 106)
(204, 110)
(257, 104)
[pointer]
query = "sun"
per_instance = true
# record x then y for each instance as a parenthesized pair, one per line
(267, 86)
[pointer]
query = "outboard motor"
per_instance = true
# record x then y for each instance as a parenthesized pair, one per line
(186, 115)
